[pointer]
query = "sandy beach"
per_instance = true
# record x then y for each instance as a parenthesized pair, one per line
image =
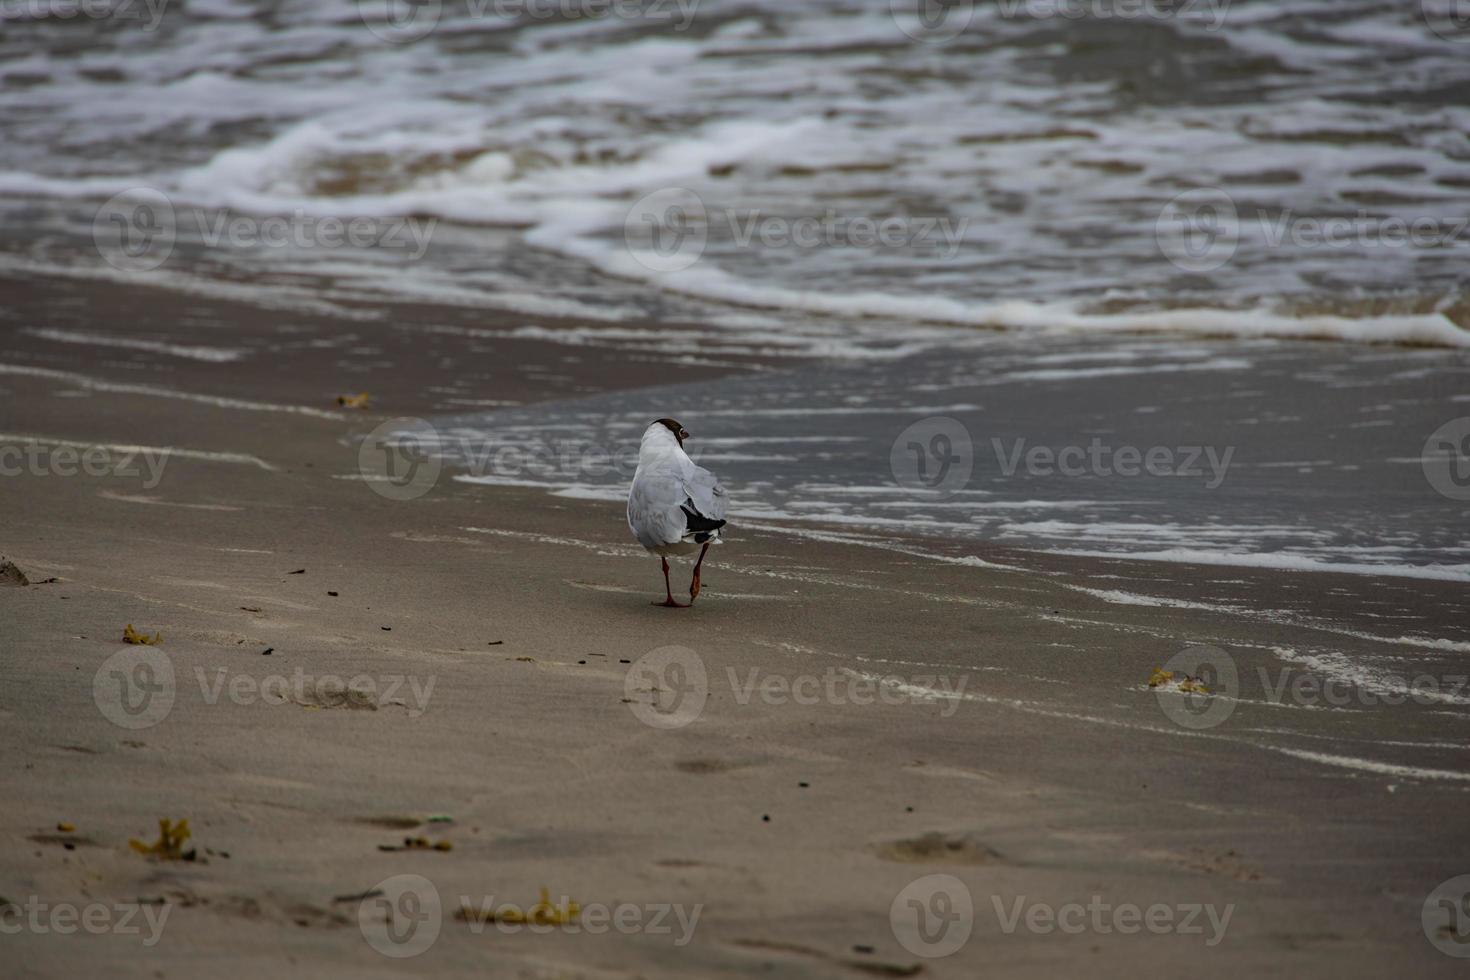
(341, 674)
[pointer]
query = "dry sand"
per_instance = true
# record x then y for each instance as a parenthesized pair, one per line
(506, 623)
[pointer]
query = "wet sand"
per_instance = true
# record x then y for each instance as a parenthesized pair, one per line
(506, 623)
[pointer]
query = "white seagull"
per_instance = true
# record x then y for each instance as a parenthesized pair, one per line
(674, 506)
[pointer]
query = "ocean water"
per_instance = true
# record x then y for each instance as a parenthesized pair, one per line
(1247, 168)
(1151, 201)
(1257, 454)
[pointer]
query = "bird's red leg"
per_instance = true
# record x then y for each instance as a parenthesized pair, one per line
(669, 591)
(694, 582)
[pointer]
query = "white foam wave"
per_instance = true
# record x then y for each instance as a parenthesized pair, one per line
(213, 355)
(1283, 562)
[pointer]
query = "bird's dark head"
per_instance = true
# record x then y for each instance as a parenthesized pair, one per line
(673, 426)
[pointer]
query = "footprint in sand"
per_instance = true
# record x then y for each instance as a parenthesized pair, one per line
(705, 767)
(389, 822)
(937, 848)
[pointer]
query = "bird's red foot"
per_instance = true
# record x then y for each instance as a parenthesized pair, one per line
(694, 581)
(671, 604)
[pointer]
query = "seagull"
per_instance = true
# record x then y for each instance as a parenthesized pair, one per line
(674, 506)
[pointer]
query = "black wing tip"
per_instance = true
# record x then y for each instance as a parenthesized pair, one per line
(695, 521)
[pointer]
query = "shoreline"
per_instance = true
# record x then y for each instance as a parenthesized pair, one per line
(1057, 774)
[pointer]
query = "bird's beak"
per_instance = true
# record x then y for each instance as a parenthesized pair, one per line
(683, 433)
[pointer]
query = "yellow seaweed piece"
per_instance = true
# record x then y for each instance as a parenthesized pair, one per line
(359, 400)
(170, 843)
(1184, 682)
(131, 635)
(543, 913)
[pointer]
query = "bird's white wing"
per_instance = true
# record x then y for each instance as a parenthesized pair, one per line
(653, 509)
(705, 492)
